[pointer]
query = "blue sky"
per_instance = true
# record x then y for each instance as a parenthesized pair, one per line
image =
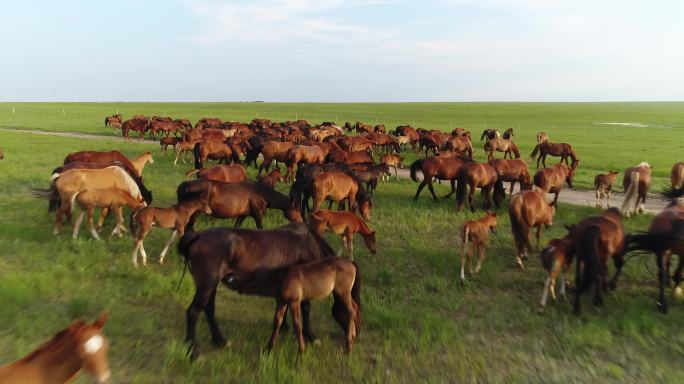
(334, 50)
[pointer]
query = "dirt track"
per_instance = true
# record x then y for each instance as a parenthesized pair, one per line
(654, 204)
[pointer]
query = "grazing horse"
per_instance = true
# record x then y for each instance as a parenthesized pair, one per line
(676, 175)
(636, 183)
(596, 240)
(216, 253)
(484, 176)
(474, 237)
(513, 170)
(603, 183)
(338, 187)
(345, 224)
(664, 238)
(562, 150)
(175, 218)
(274, 150)
(101, 157)
(140, 162)
(78, 346)
(542, 137)
(556, 259)
(528, 209)
(272, 178)
(392, 160)
(314, 280)
(460, 144)
(112, 198)
(233, 173)
(507, 146)
(135, 124)
(183, 148)
(436, 167)
(489, 134)
(552, 179)
(114, 121)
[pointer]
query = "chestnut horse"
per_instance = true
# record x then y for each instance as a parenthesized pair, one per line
(304, 154)
(436, 167)
(274, 150)
(507, 146)
(216, 253)
(350, 157)
(551, 180)
(233, 173)
(603, 183)
(272, 178)
(562, 150)
(101, 157)
(112, 198)
(484, 176)
(528, 209)
(636, 183)
(78, 346)
(139, 125)
(513, 170)
(210, 148)
(677, 175)
(460, 144)
(474, 237)
(345, 224)
(338, 187)
(556, 259)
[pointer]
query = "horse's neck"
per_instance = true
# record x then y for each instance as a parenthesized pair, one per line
(363, 228)
(58, 364)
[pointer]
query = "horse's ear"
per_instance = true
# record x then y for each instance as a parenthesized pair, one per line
(100, 322)
(76, 325)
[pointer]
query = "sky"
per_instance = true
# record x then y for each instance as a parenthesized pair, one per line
(341, 51)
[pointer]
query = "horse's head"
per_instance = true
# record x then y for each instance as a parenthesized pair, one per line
(369, 239)
(293, 214)
(92, 348)
(569, 175)
(365, 208)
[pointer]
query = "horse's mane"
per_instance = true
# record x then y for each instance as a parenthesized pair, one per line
(57, 339)
(131, 185)
(644, 164)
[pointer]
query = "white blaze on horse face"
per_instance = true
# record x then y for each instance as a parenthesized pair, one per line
(93, 344)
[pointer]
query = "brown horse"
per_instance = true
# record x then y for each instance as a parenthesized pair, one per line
(460, 144)
(508, 133)
(596, 240)
(101, 157)
(164, 143)
(112, 198)
(209, 148)
(513, 170)
(526, 210)
(338, 187)
(392, 160)
(556, 259)
(676, 175)
(274, 150)
(345, 224)
(551, 180)
(636, 183)
(562, 150)
(350, 157)
(484, 176)
(474, 237)
(139, 125)
(233, 173)
(164, 128)
(603, 183)
(114, 121)
(303, 154)
(78, 346)
(507, 146)
(436, 167)
(272, 178)
(216, 253)
(297, 283)
(183, 148)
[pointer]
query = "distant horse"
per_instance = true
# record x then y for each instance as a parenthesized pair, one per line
(303, 154)
(528, 209)
(78, 346)
(676, 175)
(274, 150)
(507, 146)
(542, 137)
(165, 142)
(112, 198)
(340, 187)
(436, 167)
(484, 176)
(212, 149)
(347, 157)
(461, 145)
(603, 183)
(114, 121)
(345, 224)
(139, 125)
(140, 162)
(489, 134)
(552, 179)
(370, 173)
(636, 183)
(556, 259)
(562, 150)
(508, 134)
(474, 238)
(216, 253)
(233, 173)
(392, 160)
(513, 170)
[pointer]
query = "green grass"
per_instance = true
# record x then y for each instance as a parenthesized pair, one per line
(420, 323)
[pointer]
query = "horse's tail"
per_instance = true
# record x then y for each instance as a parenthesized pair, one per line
(356, 296)
(655, 242)
(631, 193)
(673, 193)
(465, 234)
(589, 254)
(54, 200)
(106, 121)
(415, 166)
(191, 172)
(196, 151)
(73, 200)
(499, 191)
(521, 232)
(461, 188)
(535, 151)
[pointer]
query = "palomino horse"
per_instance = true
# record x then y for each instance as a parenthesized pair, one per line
(392, 160)
(636, 183)
(338, 187)
(664, 238)
(596, 240)
(461, 145)
(556, 258)
(436, 167)
(513, 170)
(140, 162)
(562, 150)
(112, 198)
(315, 280)
(507, 146)
(175, 218)
(474, 238)
(489, 133)
(101, 157)
(274, 150)
(603, 183)
(484, 176)
(528, 209)
(552, 179)
(345, 224)
(216, 253)
(542, 137)
(233, 173)
(78, 346)
(676, 176)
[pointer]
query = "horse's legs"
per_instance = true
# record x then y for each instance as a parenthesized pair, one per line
(543, 159)
(296, 311)
(281, 309)
(432, 192)
(351, 327)
(330, 203)
(480, 260)
(166, 247)
(257, 215)
(578, 286)
(91, 224)
(599, 285)
(136, 248)
(662, 279)
(350, 239)
(453, 188)
(209, 310)
(77, 225)
(471, 193)
(678, 277)
(238, 221)
(143, 253)
(308, 334)
(545, 294)
(465, 255)
(103, 215)
(538, 235)
(202, 294)
(618, 261)
(420, 188)
(555, 199)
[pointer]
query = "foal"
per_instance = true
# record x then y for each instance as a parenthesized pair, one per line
(164, 143)
(112, 198)
(474, 237)
(175, 217)
(556, 259)
(392, 160)
(603, 183)
(345, 224)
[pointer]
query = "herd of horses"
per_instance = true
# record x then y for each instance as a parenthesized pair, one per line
(294, 264)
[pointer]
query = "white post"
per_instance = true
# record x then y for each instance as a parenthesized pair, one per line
(63, 112)
(13, 110)
(296, 116)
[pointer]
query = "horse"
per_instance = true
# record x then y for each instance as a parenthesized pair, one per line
(596, 240)
(346, 157)
(603, 183)
(490, 133)
(542, 137)
(101, 157)
(483, 176)
(112, 198)
(474, 237)
(338, 187)
(507, 146)
(303, 154)
(461, 145)
(528, 209)
(392, 160)
(676, 175)
(314, 280)
(302, 189)
(562, 150)
(552, 179)
(233, 173)
(183, 148)
(274, 150)
(211, 149)
(272, 178)
(636, 183)
(556, 259)
(135, 124)
(114, 121)
(436, 167)
(513, 170)
(213, 254)
(508, 133)
(175, 218)
(345, 224)
(369, 173)
(140, 162)
(164, 127)
(164, 143)
(78, 346)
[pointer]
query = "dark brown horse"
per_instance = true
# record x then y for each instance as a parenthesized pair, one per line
(562, 150)
(551, 180)
(436, 167)
(513, 170)
(214, 254)
(484, 176)
(489, 133)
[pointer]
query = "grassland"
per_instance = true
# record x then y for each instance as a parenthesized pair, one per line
(420, 323)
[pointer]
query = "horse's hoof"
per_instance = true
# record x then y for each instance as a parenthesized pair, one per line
(219, 343)
(662, 307)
